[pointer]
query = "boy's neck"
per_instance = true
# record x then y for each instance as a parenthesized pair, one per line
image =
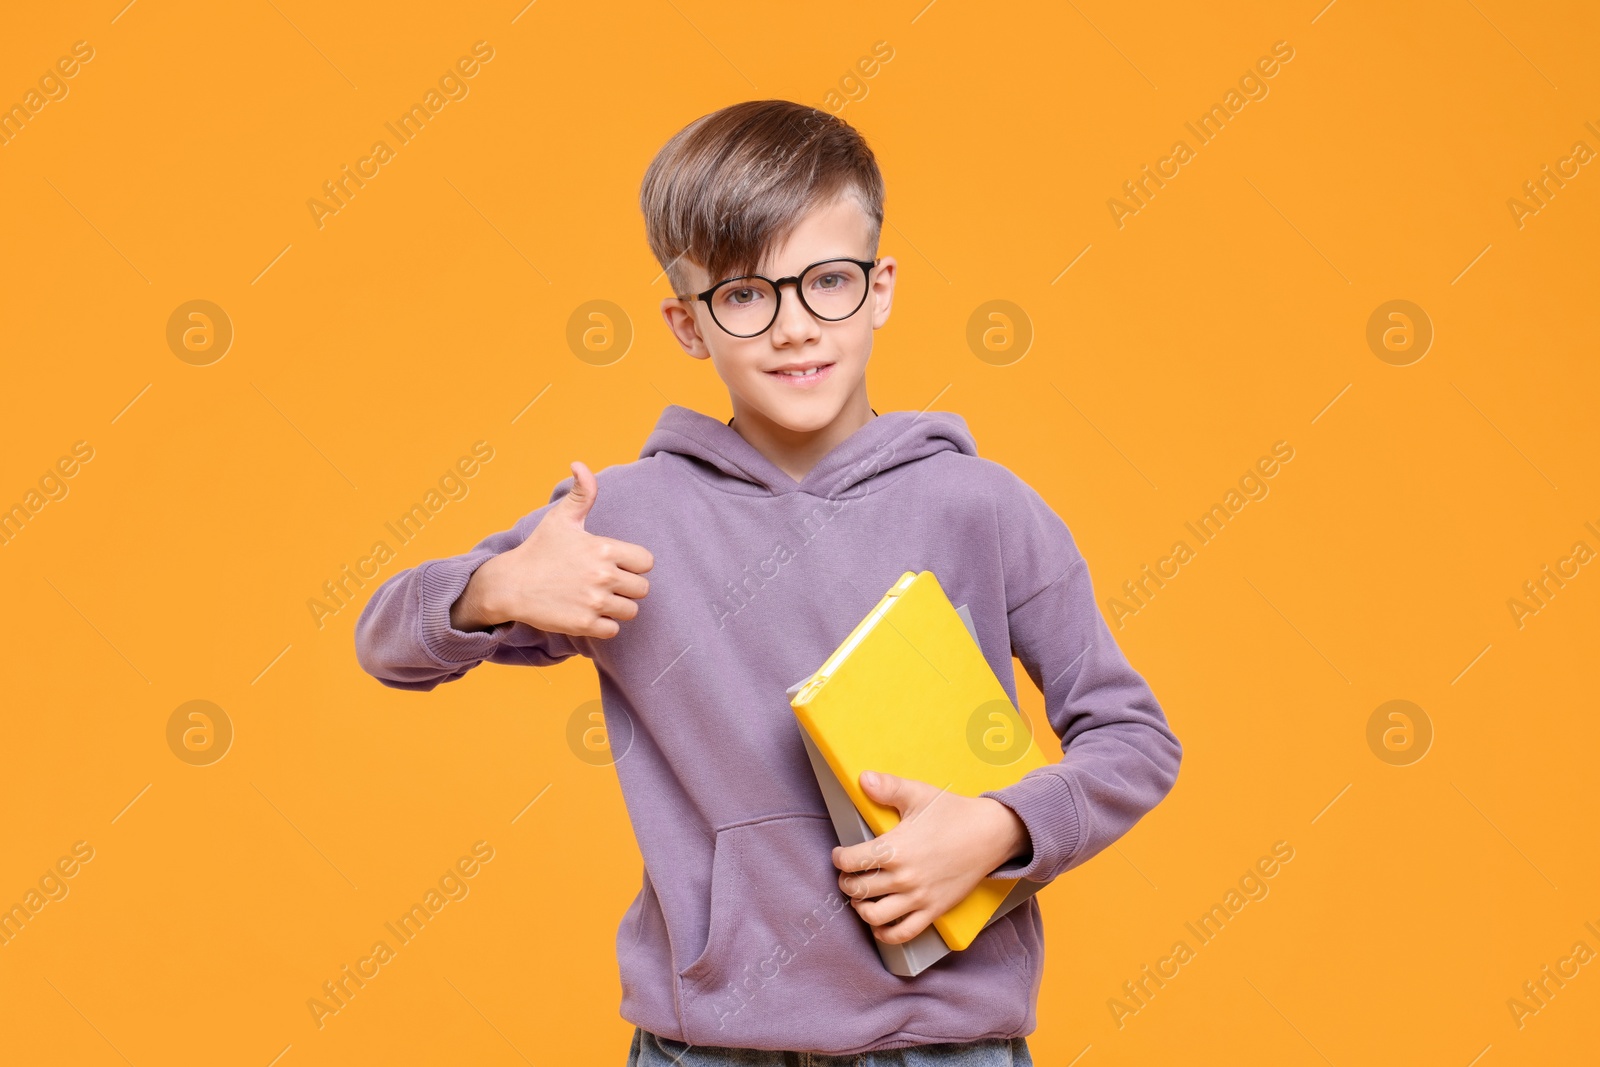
(795, 453)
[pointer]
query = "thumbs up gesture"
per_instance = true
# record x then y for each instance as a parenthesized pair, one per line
(562, 579)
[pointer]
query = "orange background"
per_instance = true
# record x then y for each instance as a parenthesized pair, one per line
(1229, 313)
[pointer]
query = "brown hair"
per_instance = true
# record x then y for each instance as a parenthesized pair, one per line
(736, 182)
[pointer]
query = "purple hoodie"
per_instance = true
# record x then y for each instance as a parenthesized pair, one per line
(739, 935)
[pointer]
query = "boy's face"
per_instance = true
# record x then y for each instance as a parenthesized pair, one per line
(750, 366)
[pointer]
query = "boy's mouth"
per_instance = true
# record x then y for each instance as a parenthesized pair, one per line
(802, 375)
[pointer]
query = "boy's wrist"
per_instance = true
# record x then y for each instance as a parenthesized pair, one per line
(1012, 835)
(474, 609)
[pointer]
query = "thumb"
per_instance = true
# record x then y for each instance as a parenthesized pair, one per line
(580, 498)
(888, 789)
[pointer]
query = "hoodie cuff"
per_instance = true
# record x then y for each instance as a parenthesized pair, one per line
(441, 585)
(1043, 801)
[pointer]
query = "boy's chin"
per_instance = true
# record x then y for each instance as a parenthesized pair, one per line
(802, 414)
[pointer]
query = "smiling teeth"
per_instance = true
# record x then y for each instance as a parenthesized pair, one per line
(799, 373)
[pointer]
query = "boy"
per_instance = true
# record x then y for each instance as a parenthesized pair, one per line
(766, 539)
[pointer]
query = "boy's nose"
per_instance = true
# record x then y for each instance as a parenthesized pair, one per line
(794, 323)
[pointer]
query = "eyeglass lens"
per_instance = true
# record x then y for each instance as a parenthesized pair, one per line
(832, 291)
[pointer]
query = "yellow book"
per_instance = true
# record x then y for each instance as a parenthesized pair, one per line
(910, 693)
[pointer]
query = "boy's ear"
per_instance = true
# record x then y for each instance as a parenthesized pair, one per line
(681, 321)
(882, 291)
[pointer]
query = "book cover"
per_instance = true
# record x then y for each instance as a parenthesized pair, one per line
(909, 692)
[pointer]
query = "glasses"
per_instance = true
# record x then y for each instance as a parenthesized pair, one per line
(747, 306)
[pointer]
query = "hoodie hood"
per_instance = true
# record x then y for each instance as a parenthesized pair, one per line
(888, 441)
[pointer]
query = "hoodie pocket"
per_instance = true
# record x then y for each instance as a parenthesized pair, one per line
(633, 920)
(1010, 948)
(776, 908)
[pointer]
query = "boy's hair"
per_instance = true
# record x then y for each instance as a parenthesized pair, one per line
(736, 182)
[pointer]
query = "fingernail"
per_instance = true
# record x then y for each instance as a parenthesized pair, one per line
(869, 779)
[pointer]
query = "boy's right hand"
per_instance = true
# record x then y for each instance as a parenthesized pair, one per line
(562, 579)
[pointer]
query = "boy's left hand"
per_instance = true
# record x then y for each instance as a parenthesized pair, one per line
(943, 846)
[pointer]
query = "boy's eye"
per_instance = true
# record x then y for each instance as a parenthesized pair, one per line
(742, 296)
(830, 281)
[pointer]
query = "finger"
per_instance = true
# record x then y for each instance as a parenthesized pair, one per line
(879, 852)
(633, 586)
(618, 607)
(905, 795)
(601, 627)
(868, 884)
(630, 557)
(580, 498)
(886, 910)
(908, 927)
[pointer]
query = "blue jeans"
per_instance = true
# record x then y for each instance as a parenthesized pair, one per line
(651, 1050)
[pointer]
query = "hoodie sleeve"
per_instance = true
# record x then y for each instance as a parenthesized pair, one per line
(1119, 758)
(404, 637)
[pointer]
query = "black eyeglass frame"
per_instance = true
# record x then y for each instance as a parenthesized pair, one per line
(867, 266)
